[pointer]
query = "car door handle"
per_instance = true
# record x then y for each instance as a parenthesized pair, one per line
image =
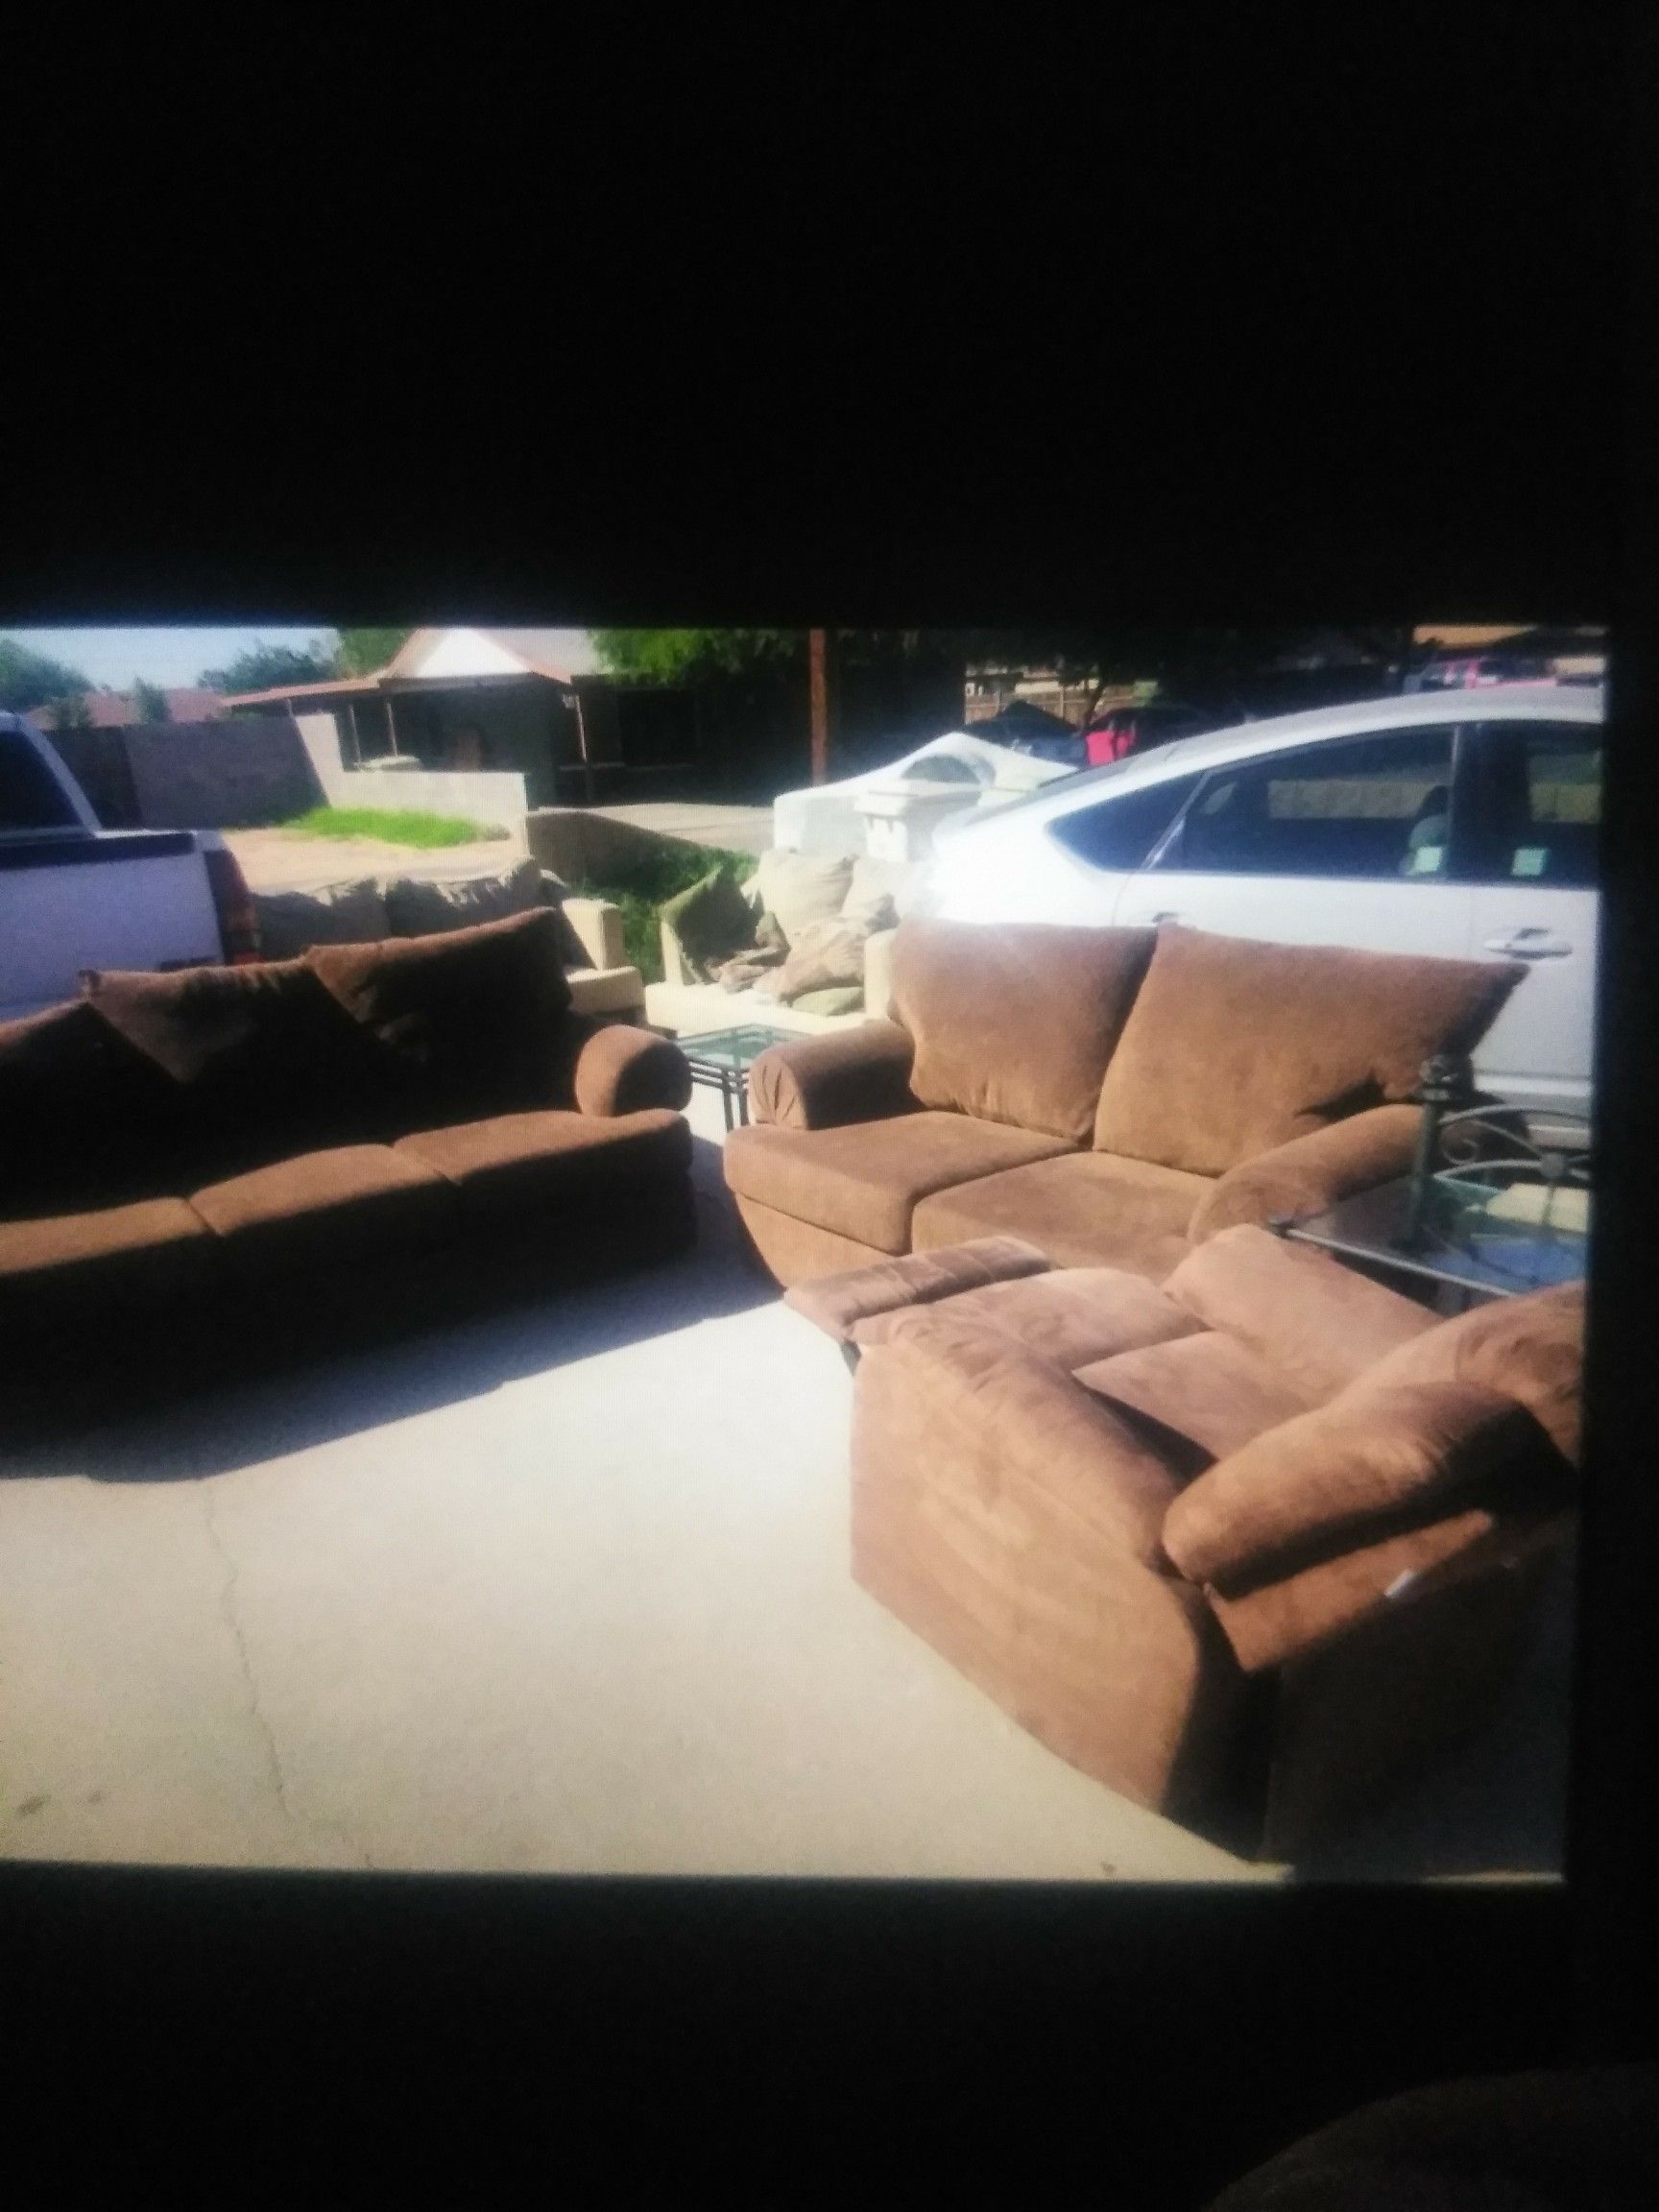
(1530, 944)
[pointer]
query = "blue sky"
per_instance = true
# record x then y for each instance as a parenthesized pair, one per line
(164, 655)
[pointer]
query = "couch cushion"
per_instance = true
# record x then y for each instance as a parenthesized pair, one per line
(79, 1266)
(260, 1056)
(1207, 1387)
(1015, 1022)
(825, 957)
(897, 886)
(1071, 1314)
(473, 1018)
(801, 887)
(863, 1181)
(1314, 1320)
(1084, 1209)
(1235, 1045)
(517, 1163)
(712, 920)
(1372, 1461)
(85, 1118)
(1531, 1348)
(291, 922)
(419, 908)
(329, 1209)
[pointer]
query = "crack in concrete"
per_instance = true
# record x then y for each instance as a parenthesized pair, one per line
(260, 1718)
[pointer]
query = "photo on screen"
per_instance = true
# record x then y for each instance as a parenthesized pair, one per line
(952, 1254)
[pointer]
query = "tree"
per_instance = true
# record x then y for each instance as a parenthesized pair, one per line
(150, 702)
(29, 679)
(266, 667)
(365, 652)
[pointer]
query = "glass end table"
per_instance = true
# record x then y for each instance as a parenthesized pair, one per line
(720, 1058)
(1455, 1242)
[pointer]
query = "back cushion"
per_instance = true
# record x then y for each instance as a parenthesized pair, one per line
(801, 887)
(85, 1118)
(474, 1018)
(1015, 1022)
(292, 921)
(258, 1055)
(1235, 1045)
(884, 892)
(1531, 1348)
(424, 909)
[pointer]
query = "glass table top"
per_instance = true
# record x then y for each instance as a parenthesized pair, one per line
(1462, 1241)
(736, 1047)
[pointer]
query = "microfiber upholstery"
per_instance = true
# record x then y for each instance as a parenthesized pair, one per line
(1531, 1348)
(84, 1267)
(326, 1210)
(1015, 1023)
(503, 1167)
(864, 1183)
(85, 1118)
(1235, 1045)
(1068, 1314)
(415, 907)
(1084, 1209)
(1202, 1386)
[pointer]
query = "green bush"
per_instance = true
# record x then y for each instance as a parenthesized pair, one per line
(644, 883)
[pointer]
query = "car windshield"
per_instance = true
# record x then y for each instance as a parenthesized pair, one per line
(30, 796)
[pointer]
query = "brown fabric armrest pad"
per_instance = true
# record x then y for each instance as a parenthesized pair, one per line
(1311, 1172)
(837, 1303)
(622, 1070)
(860, 1075)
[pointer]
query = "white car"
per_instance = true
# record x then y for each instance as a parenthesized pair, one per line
(1463, 824)
(824, 818)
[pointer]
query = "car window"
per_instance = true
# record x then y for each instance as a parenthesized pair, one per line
(1375, 806)
(1544, 805)
(1121, 831)
(30, 796)
(944, 768)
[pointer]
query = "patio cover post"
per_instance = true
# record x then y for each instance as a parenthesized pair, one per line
(391, 726)
(582, 746)
(818, 680)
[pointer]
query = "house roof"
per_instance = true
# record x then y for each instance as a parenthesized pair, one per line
(115, 710)
(463, 650)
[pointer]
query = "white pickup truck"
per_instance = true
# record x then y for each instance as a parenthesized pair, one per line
(74, 896)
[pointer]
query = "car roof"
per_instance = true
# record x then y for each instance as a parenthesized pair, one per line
(1313, 726)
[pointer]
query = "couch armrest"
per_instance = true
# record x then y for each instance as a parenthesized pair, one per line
(675, 970)
(622, 1070)
(599, 923)
(878, 973)
(856, 1074)
(1311, 1172)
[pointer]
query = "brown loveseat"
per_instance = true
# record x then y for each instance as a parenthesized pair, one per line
(1112, 1095)
(220, 1160)
(1241, 1547)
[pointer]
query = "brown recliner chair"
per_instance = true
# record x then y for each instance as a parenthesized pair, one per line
(1241, 1547)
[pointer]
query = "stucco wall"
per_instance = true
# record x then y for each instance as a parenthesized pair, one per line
(235, 774)
(476, 795)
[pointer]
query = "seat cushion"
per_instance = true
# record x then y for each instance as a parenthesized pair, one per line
(1235, 1045)
(863, 1182)
(474, 1018)
(1085, 1210)
(837, 1303)
(1070, 1315)
(1314, 1320)
(353, 1203)
(141, 1255)
(85, 1119)
(1533, 1348)
(1015, 1022)
(418, 908)
(1206, 1386)
(514, 1163)
(800, 888)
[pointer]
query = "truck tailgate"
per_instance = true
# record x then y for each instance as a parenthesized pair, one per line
(119, 899)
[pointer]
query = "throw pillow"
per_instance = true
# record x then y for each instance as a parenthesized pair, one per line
(839, 998)
(1374, 1461)
(712, 921)
(824, 957)
(291, 922)
(1015, 1022)
(85, 1118)
(1235, 1045)
(801, 887)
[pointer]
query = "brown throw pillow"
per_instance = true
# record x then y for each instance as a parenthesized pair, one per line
(1532, 1347)
(1373, 1462)
(824, 955)
(85, 1118)
(713, 921)
(1235, 1045)
(425, 909)
(1015, 1022)
(475, 1016)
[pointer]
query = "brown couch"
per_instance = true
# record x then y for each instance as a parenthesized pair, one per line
(226, 1159)
(1241, 1547)
(1112, 1095)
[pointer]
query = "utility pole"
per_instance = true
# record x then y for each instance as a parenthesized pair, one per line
(818, 673)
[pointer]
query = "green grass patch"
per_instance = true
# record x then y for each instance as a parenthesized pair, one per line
(393, 826)
(645, 882)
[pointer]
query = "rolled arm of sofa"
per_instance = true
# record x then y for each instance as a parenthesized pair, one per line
(622, 1070)
(843, 1075)
(1311, 1172)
